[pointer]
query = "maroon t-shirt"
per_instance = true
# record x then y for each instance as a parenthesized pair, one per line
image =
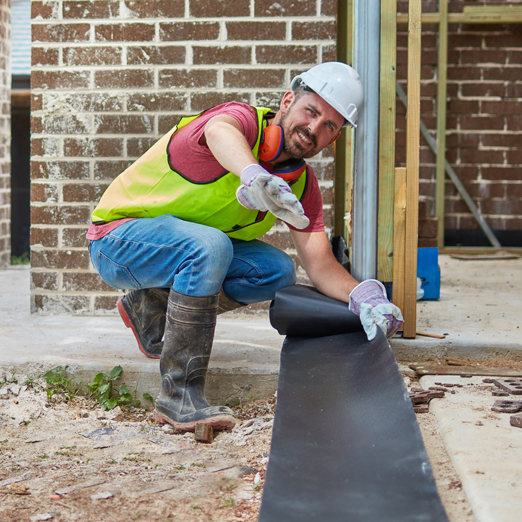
(200, 164)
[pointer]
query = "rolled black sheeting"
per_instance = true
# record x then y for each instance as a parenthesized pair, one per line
(302, 311)
(346, 445)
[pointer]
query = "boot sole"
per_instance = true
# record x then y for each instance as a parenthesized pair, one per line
(128, 323)
(220, 422)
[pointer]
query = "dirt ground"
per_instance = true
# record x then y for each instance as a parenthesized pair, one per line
(74, 462)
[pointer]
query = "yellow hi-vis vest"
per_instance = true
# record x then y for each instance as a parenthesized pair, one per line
(151, 188)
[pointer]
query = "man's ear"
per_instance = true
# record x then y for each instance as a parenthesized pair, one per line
(286, 101)
(335, 137)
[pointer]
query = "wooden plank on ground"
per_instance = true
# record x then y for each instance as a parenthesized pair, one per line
(399, 232)
(412, 169)
(443, 369)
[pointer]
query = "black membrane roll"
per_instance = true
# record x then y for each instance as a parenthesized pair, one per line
(346, 446)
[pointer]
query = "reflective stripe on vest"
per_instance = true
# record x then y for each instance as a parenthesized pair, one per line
(150, 188)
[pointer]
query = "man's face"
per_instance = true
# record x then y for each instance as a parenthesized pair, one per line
(309, 124)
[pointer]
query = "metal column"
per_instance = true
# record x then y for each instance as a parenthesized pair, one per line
(366, 176)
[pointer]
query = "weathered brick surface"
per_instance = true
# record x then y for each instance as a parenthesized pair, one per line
(484, 126)
(5, 134)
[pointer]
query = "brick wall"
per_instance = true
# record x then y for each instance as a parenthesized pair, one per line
(5, 133)
(484, 121)
(110, 77)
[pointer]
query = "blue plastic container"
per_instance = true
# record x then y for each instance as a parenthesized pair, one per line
(429, 272)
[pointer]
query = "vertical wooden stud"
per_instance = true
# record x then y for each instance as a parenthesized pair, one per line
(412, 168)
(344, 145)
(385, 242)
(399, 237)
(442, 64)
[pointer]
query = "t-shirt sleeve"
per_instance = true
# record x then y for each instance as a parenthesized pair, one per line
(312, 202)
(188, 152)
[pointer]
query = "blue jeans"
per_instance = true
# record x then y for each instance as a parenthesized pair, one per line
(191, 258)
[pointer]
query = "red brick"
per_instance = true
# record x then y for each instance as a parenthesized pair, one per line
(313, 30)
(329, 7)
(187, 78)
(248, 78)
(47, 237)
(482, 89)
(44, 280)
(463, 41)
(219, 8)
(136, 147)
(92, 56)
(514, 157)
(500, 107)
(256, 30)
(105, 303)
(60, 215)
(59, 170)
(167, 122)
(191, 31)
(83, 192)
(60, 79)
(44, 10)
(65, 124)
(108, 170)
(45, 147)
(286, 54)
(502, 40)
(463, 106)
(84, 282)
(482, 123)
(125, 79)
(514, 122)
(501, 140)
(500, 173)
(44, 192)
(486, 190)
(514, 90)
(44, 56)
(502, 73)
(89, 147)
(456, 72)
(330, 53)
(202, 101)
(60, 33)
(461, 139)
(157, 102)
(221, 55)
(514, 57)
(425, 242)
(156, 8)
(94, 9)
(285, 8)
(36, 102)
(74, 237)
(90, 102)
(133, 32)
(510, 207)
(125, 124)
(50, 259)
(151, 55)
(481, 156)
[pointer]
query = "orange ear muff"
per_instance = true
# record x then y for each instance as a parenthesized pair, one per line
(272, 144)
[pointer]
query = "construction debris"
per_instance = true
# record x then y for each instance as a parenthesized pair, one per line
(513, 386)
(203, 432)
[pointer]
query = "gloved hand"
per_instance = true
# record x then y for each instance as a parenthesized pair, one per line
(368, 300)
(263, 191)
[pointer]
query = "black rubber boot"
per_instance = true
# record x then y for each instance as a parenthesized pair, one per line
(189, 333)
(143, 311)
(226, 304)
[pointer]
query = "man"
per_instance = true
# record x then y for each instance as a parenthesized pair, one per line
(180, 228)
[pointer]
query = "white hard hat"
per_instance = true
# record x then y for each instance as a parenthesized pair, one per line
(338, 84)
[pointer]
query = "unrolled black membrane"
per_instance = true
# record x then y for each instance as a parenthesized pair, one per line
(346, 446)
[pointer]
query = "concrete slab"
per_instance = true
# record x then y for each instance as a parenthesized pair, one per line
(244, 362)
(478, 312)
(484, 449)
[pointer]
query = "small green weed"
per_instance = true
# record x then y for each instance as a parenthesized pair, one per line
(59, 384)
(103, 390)
(24, 259)
(229, 502)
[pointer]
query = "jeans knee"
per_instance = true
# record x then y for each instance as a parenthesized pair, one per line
(215, 248)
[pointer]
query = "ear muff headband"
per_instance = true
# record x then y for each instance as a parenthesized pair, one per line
(270, 149)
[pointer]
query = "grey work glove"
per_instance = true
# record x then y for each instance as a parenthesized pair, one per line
(260, 190)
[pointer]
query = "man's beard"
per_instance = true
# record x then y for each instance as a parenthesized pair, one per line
(294, 150)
